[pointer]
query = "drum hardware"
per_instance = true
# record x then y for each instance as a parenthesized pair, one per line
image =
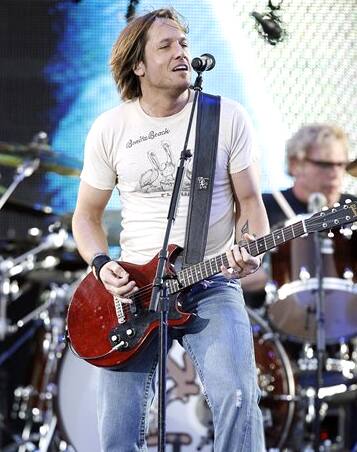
(26, 169)
(309, 395)
(326, 444)
(35, 403)
(296, 297)
(354, 349)
(271, 290)
(321, 247)
(343, 364)
(17, 441)
(346, 368)
(25, 263)
(14, 266)
(292, 288)
(343, 351)
(276, 382)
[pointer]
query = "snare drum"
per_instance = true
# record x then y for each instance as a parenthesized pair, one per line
(189, 421)
(293, 271)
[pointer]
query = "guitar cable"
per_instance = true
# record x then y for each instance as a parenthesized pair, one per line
(113, 349)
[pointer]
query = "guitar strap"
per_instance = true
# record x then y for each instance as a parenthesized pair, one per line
(203, 171)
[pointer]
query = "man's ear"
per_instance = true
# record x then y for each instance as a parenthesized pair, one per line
(295, 166)
(139, 69)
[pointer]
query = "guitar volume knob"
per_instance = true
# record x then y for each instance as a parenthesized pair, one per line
(114, 338)
(130, 332)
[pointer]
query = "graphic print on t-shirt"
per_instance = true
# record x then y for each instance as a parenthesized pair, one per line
(160, 176)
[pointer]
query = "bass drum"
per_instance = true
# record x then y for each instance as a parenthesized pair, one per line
(276, 382)
(189, 421)
(76, 404)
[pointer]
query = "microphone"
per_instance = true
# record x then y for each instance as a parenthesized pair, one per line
(205, 62)
(316, 202)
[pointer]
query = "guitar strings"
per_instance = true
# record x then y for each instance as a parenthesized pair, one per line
(243, 243)
(146, 289)
(136, 297)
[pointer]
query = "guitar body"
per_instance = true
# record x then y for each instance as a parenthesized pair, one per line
(107, 332)
(92, 319)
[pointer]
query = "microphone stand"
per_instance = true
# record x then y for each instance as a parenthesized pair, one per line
(159, 301)
(320, 336)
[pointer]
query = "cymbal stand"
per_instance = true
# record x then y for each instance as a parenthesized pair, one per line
(8, 269)
(23, 171)
(320, 336)
(42, 417)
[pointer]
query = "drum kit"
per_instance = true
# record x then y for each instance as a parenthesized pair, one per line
(52, 402)
(291, 307)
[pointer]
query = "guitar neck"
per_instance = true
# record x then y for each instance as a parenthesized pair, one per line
(198, 272)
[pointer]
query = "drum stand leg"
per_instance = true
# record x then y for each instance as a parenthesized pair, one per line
(42, 422)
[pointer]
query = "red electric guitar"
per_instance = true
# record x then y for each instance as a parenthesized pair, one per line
(106, 331)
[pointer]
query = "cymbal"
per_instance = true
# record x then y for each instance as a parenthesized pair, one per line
(111, 222)
(14, 154)
(352, 168)
(17, 148)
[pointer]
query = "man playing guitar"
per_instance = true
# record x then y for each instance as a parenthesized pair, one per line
(135, 147)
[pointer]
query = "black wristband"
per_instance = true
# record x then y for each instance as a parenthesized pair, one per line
(98, 262)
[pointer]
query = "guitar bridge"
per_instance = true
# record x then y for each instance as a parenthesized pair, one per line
(119, 308)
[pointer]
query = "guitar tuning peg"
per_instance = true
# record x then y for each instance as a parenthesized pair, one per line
(348, 201)
(324, 208)
(337, 204)
(330, 235)
(354, 227)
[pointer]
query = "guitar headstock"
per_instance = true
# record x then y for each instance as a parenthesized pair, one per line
(334, 217)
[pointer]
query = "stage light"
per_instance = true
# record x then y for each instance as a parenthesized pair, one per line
(269, 24)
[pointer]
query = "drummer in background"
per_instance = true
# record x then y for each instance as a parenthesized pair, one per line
(316, 157)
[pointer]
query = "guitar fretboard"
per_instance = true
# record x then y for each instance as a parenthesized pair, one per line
(198, 272)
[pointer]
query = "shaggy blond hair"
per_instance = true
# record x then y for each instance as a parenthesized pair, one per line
(310, 136)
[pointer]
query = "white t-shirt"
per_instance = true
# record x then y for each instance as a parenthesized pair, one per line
(139, 155)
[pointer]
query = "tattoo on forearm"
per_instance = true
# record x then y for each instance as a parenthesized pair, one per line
(245, 228)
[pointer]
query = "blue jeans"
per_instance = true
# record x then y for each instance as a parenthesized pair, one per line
(220, 344)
